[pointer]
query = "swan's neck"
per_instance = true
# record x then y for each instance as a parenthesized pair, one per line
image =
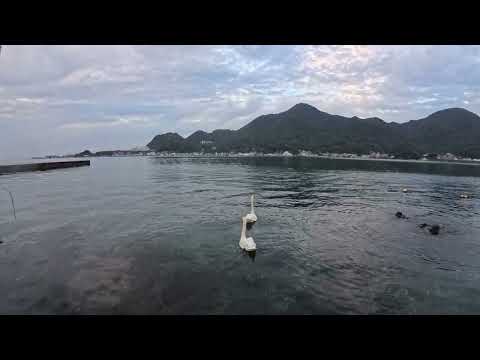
(251, 207)
(244, 229)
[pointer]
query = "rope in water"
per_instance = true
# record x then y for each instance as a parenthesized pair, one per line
(13, 202)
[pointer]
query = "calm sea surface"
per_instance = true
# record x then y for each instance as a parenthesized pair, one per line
(160, 236)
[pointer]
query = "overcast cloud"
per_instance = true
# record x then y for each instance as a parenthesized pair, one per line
(64, 99)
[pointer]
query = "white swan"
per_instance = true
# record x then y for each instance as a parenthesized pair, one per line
(251, 217)
(246, 243)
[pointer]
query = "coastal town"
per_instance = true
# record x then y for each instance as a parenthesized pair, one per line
(143, 151)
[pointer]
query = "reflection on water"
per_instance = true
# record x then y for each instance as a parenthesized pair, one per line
(160, 236)
(252, 254)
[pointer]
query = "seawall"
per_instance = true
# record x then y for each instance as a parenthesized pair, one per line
(41, 166)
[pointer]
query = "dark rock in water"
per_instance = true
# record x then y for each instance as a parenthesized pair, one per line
(400, 215)
(1, 242)
(434, 230)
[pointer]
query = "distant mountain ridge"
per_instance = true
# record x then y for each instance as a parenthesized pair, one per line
(304, 127)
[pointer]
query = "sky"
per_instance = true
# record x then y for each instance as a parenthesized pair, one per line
(65, 99)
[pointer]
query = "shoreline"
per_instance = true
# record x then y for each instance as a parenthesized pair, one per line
(238, 156)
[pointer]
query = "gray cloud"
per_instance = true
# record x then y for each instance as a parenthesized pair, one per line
(59, 99)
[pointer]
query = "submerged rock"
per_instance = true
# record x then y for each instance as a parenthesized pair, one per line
(400, 215)
(434, 230)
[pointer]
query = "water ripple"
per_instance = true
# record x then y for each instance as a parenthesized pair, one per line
(161, 236)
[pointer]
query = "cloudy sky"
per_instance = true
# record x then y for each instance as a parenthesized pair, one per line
(64, 99)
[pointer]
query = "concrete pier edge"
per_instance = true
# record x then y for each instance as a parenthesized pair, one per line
(14, 168)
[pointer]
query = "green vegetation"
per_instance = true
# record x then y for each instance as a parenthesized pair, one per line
(303, 127)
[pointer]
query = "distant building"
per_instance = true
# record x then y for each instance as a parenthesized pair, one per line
(306, 153)
(447, 156)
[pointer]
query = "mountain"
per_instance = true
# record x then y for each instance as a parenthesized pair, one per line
(454, 130)
(167, 142)
(304, 127)
(84, 153)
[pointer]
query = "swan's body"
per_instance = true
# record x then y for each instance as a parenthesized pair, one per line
(405, 190)
(464, 196)
(245, 243)
(251, 217)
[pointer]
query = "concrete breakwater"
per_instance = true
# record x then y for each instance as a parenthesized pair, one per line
(41, 166)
